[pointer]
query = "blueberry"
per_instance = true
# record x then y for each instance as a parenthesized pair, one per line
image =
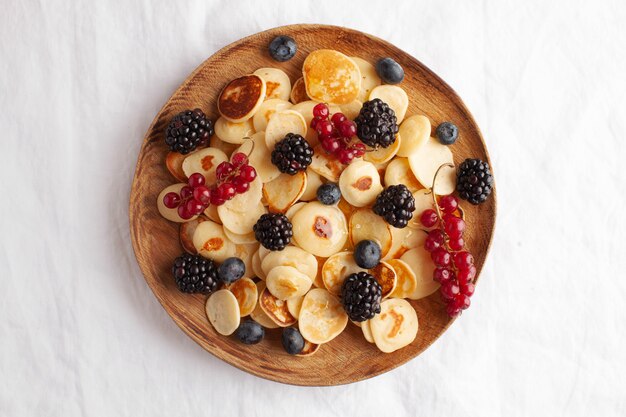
(283, 48)
(389, 71)
(447, 133)
(293, 342)
(367, 254)
(231, 270)
(328, 194)
(250, 332)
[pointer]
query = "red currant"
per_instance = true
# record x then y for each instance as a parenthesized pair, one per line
(338, 118)
(330, 145)
(449, 204)
(239, 159)
(346, 156)
(248, 173)
(216, 199)
(449, 290)
(186, 193)
(347, 129)
(226, 191)
(196, 179)
(463, 260)
(442, 275)
(462, 301)
(314, 122)
(429, 218)
(456, 244)
(467, 288)
(324, 128)
(241, 185)
(202, 194)
(223, 170)
(440, 257)
(454, 226)
(183, 212)
(321, 111)
(453, 310)
(195, 207)
(467, 275)
(171, 200)
(434, 240)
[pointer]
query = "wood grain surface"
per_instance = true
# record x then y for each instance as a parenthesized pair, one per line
(349, 357)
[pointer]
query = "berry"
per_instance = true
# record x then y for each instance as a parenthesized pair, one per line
(239, 159)
(396, 205)
(361, 295)
(331, 145)
(453, 310)
(195, 274)
(461, 301)
(320, 111)
(447, 133)
(314, 122)
(186, 192)
(453, 226)
(282, 48)
(467, 288)
(376, 124)
(442, 275)
(337, 118)
(183, 212)
(346, 156)
(456, 244)
(241, 185)
(347, 129)
(226, 191)
(248, 173)
(449, 290)
(273, 231)
(250, 332)
(231, 270)
(202, 194)
(188, 130)
(449, 204)
(171, 200)
(434, 240)
(441, 257)
(474, 181)
(223, 170)
(328, 194)
(463, 260)
(196, 179)
(466, 275)
(389, 71)
(292, 340)
(195, 207)
(216, 199)
(292, 154)
(367, 254)
(429, 218)
(324, 128)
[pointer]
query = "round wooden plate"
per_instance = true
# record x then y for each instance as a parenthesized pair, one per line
(349, 357)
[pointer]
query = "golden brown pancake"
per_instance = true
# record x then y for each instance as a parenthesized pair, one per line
(240, 98)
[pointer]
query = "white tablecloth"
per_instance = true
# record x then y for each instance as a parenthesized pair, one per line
(82, 334)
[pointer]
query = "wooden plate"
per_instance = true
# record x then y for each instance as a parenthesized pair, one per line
(156, 244)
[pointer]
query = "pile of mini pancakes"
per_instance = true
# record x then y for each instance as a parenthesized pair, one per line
(301, 284)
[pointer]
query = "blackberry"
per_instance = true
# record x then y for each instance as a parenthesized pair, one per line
(188, 130)
(361, 295)
(376, 124)
(292, 154)
(195, 274)
(396, 205)
(273, 231)
(474, 181)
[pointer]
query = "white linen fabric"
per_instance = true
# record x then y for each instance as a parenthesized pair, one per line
(81, 332)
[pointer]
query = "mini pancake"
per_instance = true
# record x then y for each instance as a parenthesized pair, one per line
(285, 282)
(346, 208)
(225, 147)
(263, 252)
(386, 277)
(423, 201)
(241, 222)
(243, 202)
(211, 213)
(313, 182)
(331, 77)
(298, 92)
(395, 327)
(174, 164)
(322, 317)
(204, 161)
(351, 110)
(369, 78)
(318, 282)
(403, 240)
(282, 192)
(258, 314)
(259, 157)
(245, 252)
(233, 132)
(277, 83)
(211, 242)
(275, 309)
(367, 331)
(241, 98)
(294, 209)
(245, 291)
(360, 183)
(407, 282)
(222, 311)
(394, 96)
(423, 267)
(356, 323)
(320, 230)
(364, 224)
(186, 232)
(382, 155)
(425, 162)
(266, 111)
(239, 239)
(399, 172)
(325, 165)
(294, 305)
(308, 349)
(168, 213)
(291, 256)
(336, 269)
(415, 131)
(256, 266)
(281, 123)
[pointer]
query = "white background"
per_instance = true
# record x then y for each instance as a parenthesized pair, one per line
(80, 331)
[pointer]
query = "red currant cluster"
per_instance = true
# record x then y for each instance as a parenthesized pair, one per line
(455, 269)
(336, 134)
(232, 178)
